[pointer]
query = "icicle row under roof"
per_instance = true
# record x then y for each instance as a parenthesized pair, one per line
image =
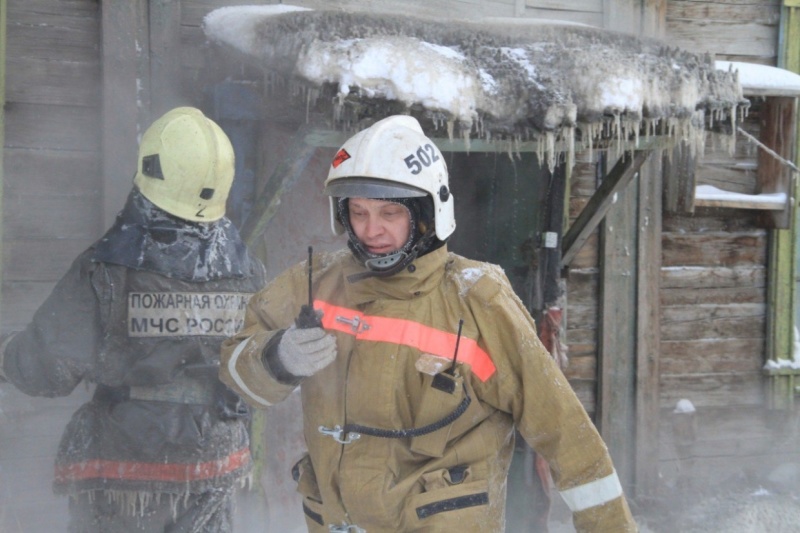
(519, 80)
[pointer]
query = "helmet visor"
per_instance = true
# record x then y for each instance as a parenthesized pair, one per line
(371, 188)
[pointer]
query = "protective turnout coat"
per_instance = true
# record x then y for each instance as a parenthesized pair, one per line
(393, 447)
(160, 420)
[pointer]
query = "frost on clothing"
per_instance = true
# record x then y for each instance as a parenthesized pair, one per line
(522, 80)
(451, 478)
(145, 237)
(160, 424)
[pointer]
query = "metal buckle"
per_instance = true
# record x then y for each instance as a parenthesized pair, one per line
(336, 434)
(356, 324)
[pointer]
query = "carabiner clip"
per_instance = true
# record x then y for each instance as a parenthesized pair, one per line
(336, 434)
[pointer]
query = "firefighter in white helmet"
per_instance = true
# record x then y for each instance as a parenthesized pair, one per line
(141, 314)
(421, 365)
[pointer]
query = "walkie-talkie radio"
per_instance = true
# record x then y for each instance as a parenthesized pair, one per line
(308, 318)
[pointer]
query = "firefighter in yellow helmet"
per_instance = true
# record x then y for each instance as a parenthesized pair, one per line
(420, 368)
(141, 315)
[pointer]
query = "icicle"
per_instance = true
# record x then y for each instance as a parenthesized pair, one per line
(568, 133)
(551, 150)
(466, 138)
(173, 503)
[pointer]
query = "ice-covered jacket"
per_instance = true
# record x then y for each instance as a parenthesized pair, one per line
(160, 420)
(395, 441)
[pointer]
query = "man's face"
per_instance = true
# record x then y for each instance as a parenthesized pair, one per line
(381, 226)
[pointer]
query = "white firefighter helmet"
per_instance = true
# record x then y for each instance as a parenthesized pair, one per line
(392, 159)
(186, 165)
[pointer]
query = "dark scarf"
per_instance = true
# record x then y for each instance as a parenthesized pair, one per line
(145, 237)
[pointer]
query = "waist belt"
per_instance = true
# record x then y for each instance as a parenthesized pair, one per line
(182, 390)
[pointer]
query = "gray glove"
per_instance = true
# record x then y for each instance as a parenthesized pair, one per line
(304, 352)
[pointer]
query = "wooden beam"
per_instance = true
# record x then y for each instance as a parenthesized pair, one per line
(680, 165)
(617, 321)
(654, 18)
(777, 128)
(648, 335)
(782, 291)
(125, 97)
(600, 202)
(164, 18)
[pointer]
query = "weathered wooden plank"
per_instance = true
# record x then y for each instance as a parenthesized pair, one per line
(713, 277)
(695, 312)
(738, 180)
(712, 355)
(619, 246)
(592, 6)
(126, 98)
(712, 390)
(37, 172)
(54, 217)
(38, 81)
(581, 287)
(586, 257)
(680, 176)
(779, 122)
(712, 295)
(577, 348)
(55, 8)
(613, 184)
(654, 18)
(763, 12)
(43, 30)
(715, 249)
(581, 367)
(746, 39)
(582, 316)
(648, 338)
(22, 259)
(52, 127)
(711, 328)
(579, 17)
(164, 55)
(712, 220)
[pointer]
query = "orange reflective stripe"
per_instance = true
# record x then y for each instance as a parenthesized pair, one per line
(406, 333)
(175, 472)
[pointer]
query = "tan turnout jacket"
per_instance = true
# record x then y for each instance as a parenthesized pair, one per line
(362, 468)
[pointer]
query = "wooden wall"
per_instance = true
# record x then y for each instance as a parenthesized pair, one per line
(52, 210)
(52, 184)
(714, 284)
(733, 30)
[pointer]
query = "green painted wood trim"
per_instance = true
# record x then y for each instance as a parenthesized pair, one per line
(781, 293)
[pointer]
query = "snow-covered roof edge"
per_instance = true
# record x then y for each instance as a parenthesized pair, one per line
(763, 80)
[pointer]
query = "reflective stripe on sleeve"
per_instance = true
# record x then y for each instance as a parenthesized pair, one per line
(592, 494)
(237, 378)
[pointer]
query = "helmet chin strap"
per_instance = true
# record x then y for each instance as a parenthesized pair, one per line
(392, 263)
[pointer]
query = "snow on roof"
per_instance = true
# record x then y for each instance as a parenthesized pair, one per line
(763, 80)
(710, 196)
(487, 78)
